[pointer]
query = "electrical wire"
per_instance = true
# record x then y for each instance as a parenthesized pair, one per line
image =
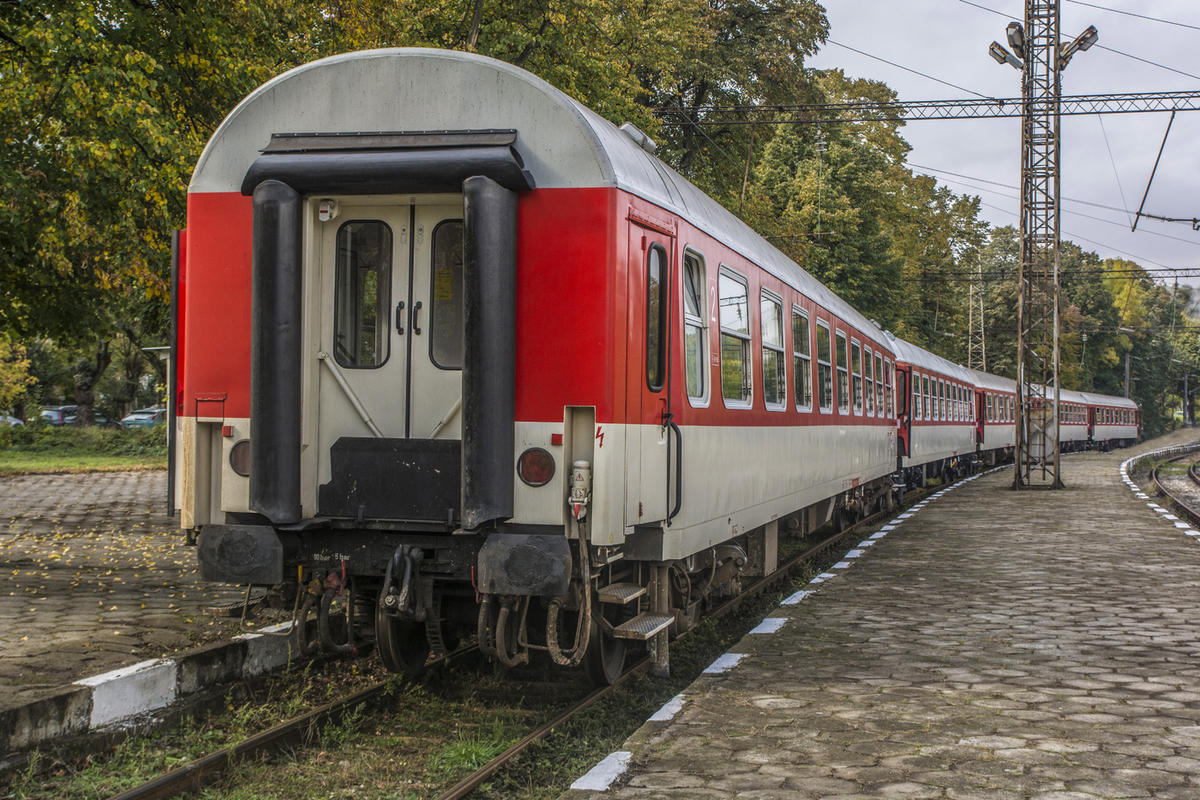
(1116, 175)
(906, 69)
(1067, 199)
(1131, 14)
(1121, 225)
(1147, 61)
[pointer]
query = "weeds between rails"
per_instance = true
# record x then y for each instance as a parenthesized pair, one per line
(421, 736)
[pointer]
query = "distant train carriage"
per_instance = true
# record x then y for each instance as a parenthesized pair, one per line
(937, 423)
(1112, 421)
(1073, 433)
(995, 416)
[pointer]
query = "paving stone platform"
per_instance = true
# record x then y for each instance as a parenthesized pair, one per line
(97, 577)
(991, 646)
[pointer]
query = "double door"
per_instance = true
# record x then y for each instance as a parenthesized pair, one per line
(391, 322)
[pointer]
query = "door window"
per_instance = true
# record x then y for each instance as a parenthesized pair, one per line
(362, 294)
(446, 290)
(656, 316)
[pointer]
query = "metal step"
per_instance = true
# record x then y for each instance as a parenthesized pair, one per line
(620, 593)
(643, 626)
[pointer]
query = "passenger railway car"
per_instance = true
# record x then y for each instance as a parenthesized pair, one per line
(454, 350)
(1073, 432)
(995, 416)
(937, 424)
(1112, 421)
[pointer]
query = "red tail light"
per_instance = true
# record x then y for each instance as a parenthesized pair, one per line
(535, 466)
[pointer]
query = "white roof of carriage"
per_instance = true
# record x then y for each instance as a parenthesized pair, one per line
(563, 144)
(909, 353)
(986, 380)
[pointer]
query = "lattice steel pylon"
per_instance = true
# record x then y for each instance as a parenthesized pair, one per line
(976, 336)
(1041, 60)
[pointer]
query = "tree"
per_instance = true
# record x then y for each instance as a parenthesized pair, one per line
(15, 378)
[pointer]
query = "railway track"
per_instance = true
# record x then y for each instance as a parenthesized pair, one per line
(1166, 485)
(304, 731)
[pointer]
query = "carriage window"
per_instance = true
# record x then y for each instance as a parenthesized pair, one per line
(362, 294)
(446, 308)
(694, 339)
(942, 400)
(656, 316)
(801, 363)
(774, 369)
(889, 370)
(869, 380)
(856, 371)
(735, 339)
(879, 403)
(843, 373)
(925, 397)
(918, 410)
(824, 368)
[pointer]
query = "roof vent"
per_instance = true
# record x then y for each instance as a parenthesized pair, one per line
(643, 141)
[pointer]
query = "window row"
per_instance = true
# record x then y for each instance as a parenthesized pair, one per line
(1000, 407)
(864, 377)
(937, 399)
(1072, 414)
(1115, 416)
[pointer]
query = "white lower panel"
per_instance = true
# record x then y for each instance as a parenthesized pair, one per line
(935, 442)
(737, 479)
(1104, 433)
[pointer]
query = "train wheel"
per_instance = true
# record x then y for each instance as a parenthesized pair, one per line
(402, 644)
(605, 656)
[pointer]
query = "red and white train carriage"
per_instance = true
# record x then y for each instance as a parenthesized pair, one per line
(468, 355)
(937, 426)
(1112, 421)
(455, 346)
(995, 416)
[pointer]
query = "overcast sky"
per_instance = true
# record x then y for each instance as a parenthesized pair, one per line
(948, 40)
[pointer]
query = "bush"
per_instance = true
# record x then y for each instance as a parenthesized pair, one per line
(39, 437)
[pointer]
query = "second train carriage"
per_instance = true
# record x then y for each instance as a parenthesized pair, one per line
(995, 416)
(453, 347)
(936, 421)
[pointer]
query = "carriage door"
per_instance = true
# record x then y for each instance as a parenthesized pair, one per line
(647, 489)
(391, 324)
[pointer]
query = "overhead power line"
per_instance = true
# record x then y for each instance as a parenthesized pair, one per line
(1131, 14)
(971, 108)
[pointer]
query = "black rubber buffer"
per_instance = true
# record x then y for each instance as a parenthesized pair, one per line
(275, 353)
(489, 353)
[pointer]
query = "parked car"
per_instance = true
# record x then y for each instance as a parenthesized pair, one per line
(8, 420)
(59, 415)
(145, 418)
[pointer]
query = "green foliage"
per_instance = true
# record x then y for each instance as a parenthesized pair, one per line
(37, 437)
(15, 378)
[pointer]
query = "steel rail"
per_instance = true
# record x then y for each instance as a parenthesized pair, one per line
(1183, 508)
(304, 729)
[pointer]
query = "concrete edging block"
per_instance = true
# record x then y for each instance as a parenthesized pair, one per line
(66, 712)
(134, 690)
(204, 666)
